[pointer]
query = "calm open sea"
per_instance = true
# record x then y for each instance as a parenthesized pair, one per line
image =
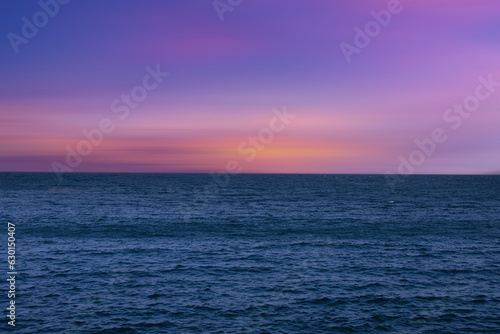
(182, 253)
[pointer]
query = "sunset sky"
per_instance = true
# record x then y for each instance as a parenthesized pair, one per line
(227, 76)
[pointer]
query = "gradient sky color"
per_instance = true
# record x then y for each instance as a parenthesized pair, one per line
(226, 77)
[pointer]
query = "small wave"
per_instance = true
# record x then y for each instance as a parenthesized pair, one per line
(121, 329)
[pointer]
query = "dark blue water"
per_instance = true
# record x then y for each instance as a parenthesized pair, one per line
(175, 253)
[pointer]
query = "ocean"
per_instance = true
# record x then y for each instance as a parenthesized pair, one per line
(252, 253)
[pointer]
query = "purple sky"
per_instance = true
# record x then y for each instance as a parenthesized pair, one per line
(226, 78)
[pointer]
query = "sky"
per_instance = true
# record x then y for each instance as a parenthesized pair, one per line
(269, 86)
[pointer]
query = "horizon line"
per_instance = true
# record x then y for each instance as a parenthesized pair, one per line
(263, 173)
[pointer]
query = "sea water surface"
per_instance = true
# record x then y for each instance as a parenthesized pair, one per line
(184, 253)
